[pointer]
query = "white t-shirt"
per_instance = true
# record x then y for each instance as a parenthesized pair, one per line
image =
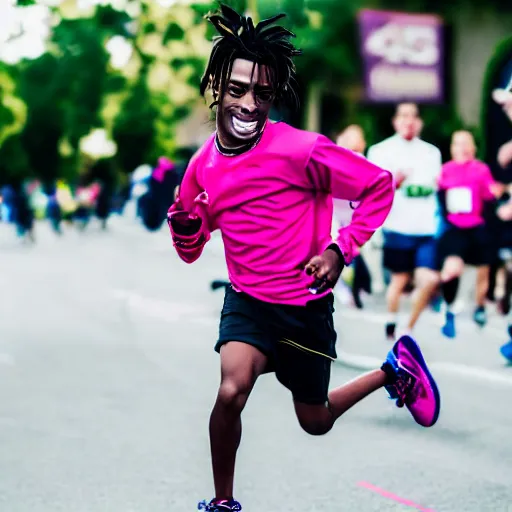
(415, 206)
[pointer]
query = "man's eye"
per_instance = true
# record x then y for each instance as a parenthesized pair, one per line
(265, 95)
(236, 91)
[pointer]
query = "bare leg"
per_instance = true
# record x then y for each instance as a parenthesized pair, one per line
(319, 419)
(395, 290)
(482, 285)
(426, 283)
(453, 267)
(241, 365)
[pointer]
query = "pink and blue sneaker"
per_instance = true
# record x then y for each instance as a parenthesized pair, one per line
(411, 383)
(220, 506)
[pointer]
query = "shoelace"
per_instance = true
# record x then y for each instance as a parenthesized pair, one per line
(403, 388)
(234, 506)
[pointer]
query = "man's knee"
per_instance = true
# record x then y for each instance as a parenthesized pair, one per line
(234, 392)
(314, 428)
(315, 420)
(453, 267)
(427, 278)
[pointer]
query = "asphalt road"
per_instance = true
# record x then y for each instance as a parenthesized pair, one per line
(108, 375)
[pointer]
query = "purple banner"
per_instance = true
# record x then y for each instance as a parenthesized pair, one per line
(403, 56)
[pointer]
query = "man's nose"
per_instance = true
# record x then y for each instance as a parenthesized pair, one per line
(248, 104)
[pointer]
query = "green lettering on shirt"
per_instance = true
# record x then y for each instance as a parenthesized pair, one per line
(418, 191)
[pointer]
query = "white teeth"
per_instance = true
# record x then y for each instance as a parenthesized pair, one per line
(244, 126)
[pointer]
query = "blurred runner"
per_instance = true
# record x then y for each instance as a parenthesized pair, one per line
(466, 191)
(409, 231)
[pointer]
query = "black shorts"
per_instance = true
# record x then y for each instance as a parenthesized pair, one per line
(299, 341)
(473, 245)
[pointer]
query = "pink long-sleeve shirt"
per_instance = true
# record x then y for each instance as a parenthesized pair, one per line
(274, 205)
(468, 186)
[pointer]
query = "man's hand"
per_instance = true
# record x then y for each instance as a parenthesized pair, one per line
(400, 178)
(497, 189)
(326, 268)
(505, 155)
(505, 212)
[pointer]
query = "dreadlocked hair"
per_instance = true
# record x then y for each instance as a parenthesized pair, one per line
(265, 44)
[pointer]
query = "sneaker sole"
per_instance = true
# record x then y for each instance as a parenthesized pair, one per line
(415, 351)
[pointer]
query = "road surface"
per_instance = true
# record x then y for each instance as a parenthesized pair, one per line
(108, 375)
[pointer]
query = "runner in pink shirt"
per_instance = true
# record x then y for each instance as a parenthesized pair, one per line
(269, 189)
(467, 190)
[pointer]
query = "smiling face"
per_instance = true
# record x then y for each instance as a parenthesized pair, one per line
(244, 105)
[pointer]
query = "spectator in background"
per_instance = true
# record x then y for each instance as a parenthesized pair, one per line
(184, 156)
(53, 209)
(503, 97)
(409, 231)
(23, 215)
(498, 141)
(503, 161)
(8, 194)
(352, 138)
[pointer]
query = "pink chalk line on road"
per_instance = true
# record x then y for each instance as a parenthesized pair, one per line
(394, 497)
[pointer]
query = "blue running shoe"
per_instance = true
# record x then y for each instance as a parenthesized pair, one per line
(436, 303)
(506, 351)
(480, 316)
(448, 328)
(220, 506)
(412, 383)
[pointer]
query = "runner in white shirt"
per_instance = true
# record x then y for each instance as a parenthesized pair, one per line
(409, 243)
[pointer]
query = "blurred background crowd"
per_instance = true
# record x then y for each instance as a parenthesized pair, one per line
(90, 90)
(99, 99)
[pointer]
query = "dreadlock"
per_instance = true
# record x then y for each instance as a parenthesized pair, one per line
(264, 45)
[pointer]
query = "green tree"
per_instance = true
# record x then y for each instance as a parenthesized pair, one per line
(134, 128)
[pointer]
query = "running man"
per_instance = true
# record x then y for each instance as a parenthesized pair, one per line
(467, 191)
(409, 230)
(269, 187)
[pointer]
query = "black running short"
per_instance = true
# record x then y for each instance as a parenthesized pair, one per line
(299, 341)
(473, 245)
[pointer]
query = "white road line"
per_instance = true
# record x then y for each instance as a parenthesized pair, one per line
(464, 325)
(366, 363)
(158, 308)
(474, 372)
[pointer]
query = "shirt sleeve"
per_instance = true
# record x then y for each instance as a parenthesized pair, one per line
(188, 217)
(350, 176)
